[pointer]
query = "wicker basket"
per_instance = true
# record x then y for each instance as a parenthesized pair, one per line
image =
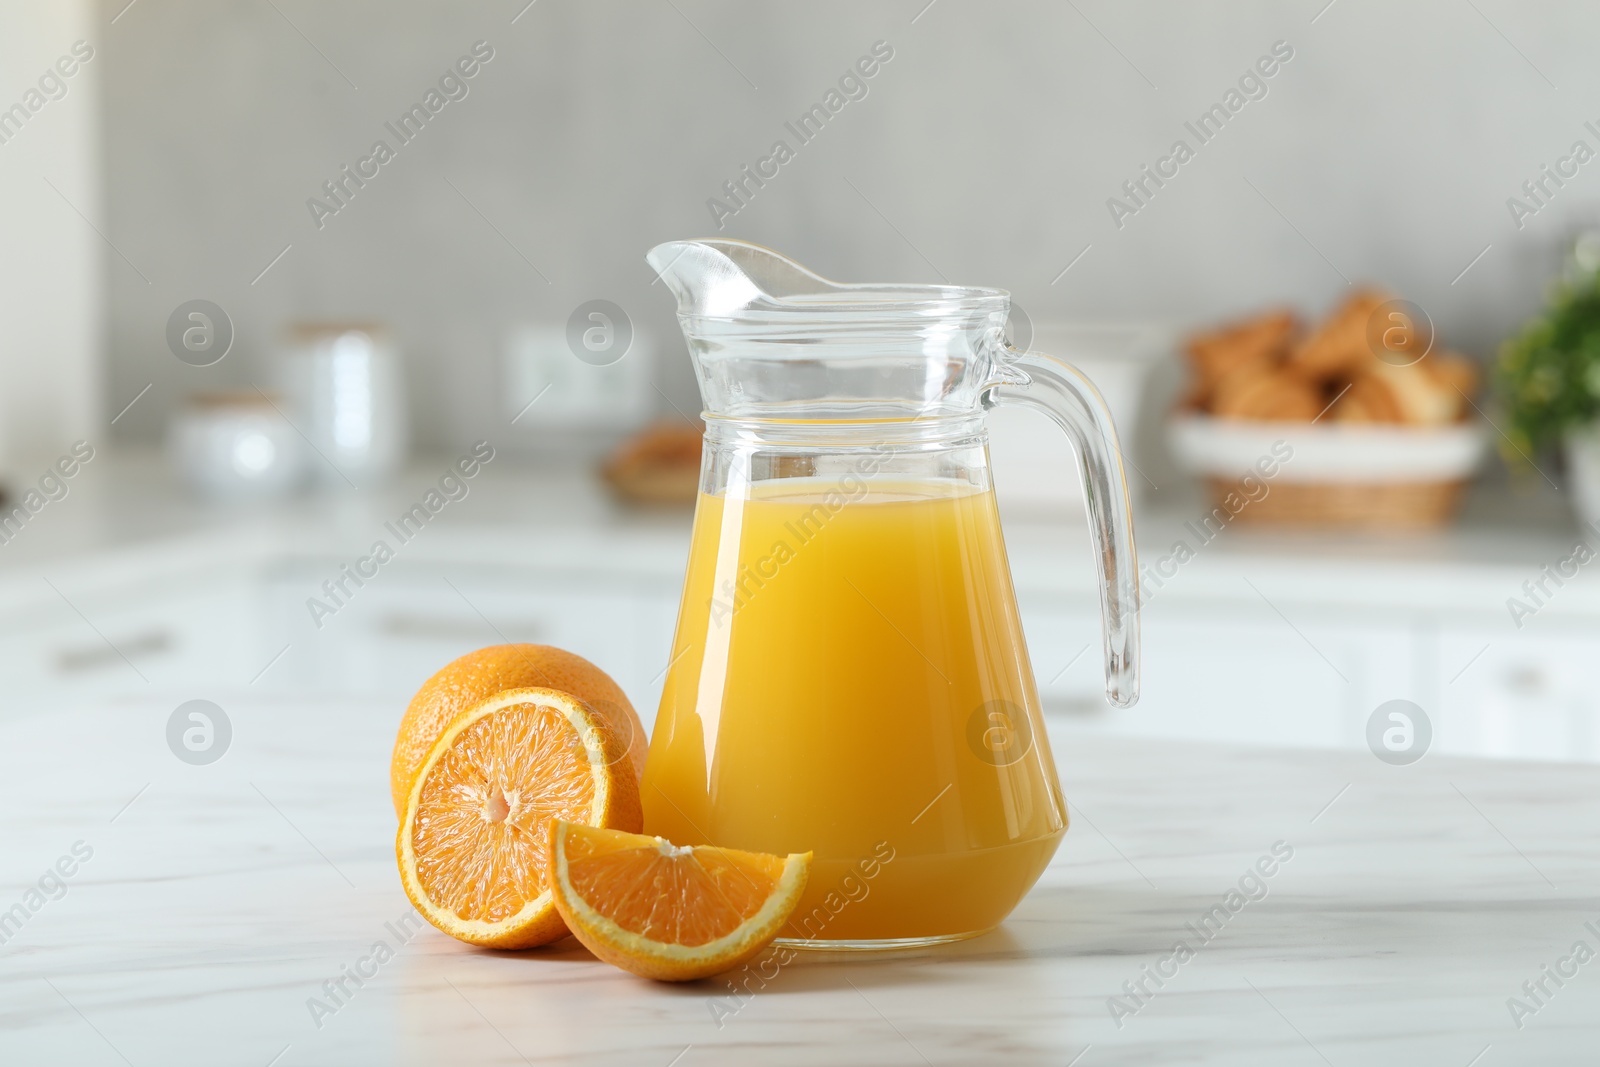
(1306, 475)
(1349, 505)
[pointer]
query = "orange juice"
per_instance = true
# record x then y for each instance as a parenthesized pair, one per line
(851, 679)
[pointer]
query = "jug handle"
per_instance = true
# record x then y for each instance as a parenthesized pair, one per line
(1061, 391)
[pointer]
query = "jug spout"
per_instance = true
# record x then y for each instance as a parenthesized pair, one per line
(702, 277)
(719, 278)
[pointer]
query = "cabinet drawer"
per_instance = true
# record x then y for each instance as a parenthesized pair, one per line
(184, 642)
(1520, 696)
(1227, 674)
(392, 635)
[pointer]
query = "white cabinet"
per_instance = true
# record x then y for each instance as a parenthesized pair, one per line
(180, 638)
(1533, 694)
(400, 628)
(1228, 672)
(223, 615)
(1237, 672)
(1255, 678)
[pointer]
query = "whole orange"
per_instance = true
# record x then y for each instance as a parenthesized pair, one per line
(479, 675)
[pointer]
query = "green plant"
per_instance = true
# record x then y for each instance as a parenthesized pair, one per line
(1548, 375)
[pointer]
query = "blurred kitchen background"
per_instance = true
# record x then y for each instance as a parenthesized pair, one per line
(172, 173)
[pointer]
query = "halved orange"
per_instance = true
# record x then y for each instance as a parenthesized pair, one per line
(472, 843)
(668, 912)
(479, 675)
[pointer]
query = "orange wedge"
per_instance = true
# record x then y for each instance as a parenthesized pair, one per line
(665, 912)
(472, 846)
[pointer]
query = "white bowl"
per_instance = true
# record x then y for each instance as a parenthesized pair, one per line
(1324, 453)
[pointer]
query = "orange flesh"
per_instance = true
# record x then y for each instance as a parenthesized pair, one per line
(483, 816)
(678, 896)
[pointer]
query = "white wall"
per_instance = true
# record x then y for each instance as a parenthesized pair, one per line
(984, 152)
(51, 260)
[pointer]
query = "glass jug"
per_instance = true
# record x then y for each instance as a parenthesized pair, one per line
(848, 674)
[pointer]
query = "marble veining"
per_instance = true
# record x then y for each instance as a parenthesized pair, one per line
(222, 903)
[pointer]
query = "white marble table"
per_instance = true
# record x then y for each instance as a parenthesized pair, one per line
(219, 899)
